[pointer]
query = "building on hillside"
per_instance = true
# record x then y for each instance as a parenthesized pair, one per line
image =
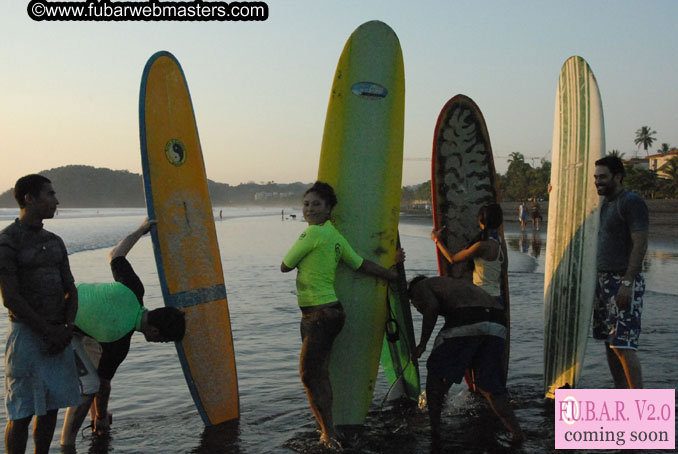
(656, 161)
(639, 163)
(263, 195)
(423, 206)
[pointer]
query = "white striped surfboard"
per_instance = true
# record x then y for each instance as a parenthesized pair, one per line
(573, 219)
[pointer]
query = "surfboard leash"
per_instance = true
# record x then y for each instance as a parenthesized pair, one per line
(391, 327)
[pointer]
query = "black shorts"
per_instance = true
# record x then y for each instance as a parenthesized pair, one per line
(323, 325)
(485, 354)
(318, 331)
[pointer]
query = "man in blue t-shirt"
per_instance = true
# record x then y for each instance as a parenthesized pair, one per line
(622, 243)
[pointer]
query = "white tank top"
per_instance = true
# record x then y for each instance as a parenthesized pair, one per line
(487, 273)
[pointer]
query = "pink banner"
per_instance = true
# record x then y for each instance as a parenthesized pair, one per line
(615, 419)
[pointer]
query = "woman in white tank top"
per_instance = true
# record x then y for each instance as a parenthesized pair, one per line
(487, 250)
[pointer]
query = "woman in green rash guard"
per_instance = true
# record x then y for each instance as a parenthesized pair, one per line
(316, 254)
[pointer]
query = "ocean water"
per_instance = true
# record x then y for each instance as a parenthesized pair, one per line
(154, 413)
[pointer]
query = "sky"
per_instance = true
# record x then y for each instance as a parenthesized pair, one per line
(69, 90)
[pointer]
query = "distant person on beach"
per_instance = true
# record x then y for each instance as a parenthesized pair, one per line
(535, 211)
(39, 292)
(474, 336)
(108, 315)
(487, 250)
(522, 215)
(316, 255)
(622, 243)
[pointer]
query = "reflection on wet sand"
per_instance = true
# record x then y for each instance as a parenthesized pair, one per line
(525, 243)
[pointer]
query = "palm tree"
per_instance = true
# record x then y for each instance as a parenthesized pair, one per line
(644, 138)
(516, 157)
(616, 154)
(670, 177)
(642, 181)
(665, 148)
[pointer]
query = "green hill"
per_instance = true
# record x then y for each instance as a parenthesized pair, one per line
(90, 187)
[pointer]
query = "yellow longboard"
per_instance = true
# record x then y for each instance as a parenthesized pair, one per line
(361, 157)
(185, 240)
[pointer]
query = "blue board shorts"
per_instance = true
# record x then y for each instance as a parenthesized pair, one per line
(464, 347)
(620, 329)
(36, 382)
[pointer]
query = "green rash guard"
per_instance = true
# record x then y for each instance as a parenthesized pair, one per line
(107, 312)
(316, 254)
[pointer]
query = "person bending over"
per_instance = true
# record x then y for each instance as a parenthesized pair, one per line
(473, 336)
(108, 315)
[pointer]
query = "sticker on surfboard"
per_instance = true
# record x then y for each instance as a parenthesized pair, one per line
(175, 151)
(369, 90)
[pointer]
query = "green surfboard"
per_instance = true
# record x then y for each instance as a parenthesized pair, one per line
(399, 344)
(361, 157)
